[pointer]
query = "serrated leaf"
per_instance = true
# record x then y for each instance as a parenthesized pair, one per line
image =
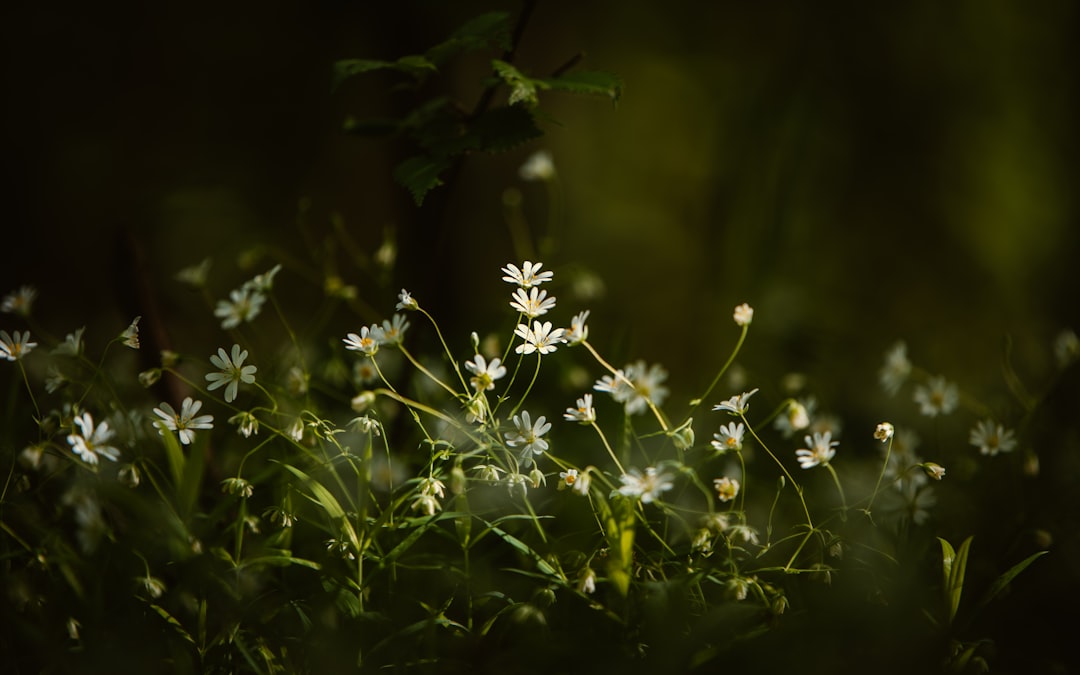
(589, 82)
(419, 175)
(416, 66)
(487, 30)
(523, 89)
(503, 128)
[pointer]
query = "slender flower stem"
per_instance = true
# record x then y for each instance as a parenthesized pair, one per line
(449, 354)
(798, 488)
(416, 405)
(427, 372)
(839, 488)
(881, 476)
(607, 445)
(292, 336)
(723, 369)
(619, 374)
(529, 388)
(30, 391)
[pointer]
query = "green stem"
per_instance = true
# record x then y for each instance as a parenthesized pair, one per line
(449, 355)
(716, 380)
(607, 446)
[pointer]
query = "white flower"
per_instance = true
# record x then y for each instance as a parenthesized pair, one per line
(20, 301)
(540, 338)
(195, 275)
(796, 418)
(233, 372)
(263, 282)
(587, 581)
(820, 450)
(89, 442)
(635, 386)
(72, 344)
(130, 336)
(884, 432)
(426, 504)
(488, 472)
(726, 488)
(185, 422)
(744, 314)
(532, 303)
(730, 437)
(528, 276)
(529, 434)
(569, 478)
(736, 405)
(405, 301)
(485, 372)
(237, 486)
(244, 304)
(583, 413)
(1066, 347)
(246, 423)
(575, 480)
(992, 438)
(295, 430)
(939, 397)
(539, 166)
(367, 425)
(432, 486)
(748, 534)
(646, 487)
(367, 341)
(14, 348)
(578, 331)
(934, 470)
(896, 370)
(393, 330)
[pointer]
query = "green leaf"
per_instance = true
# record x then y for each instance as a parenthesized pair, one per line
(414, 65)
(588, 82)
(948, 554)
(487, 30)
(172, 621)
(173, 453)
(280, 561)
(187, 492)
(541, 564)
(618, 520)
(1005, 579)
(503, 128)
(329, 503)
(523, 89)
(954, 568)
(420, 174)
(408, 541)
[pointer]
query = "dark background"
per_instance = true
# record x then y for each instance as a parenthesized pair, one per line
(859, 173)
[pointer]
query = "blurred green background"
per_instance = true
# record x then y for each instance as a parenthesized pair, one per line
(859, 173)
